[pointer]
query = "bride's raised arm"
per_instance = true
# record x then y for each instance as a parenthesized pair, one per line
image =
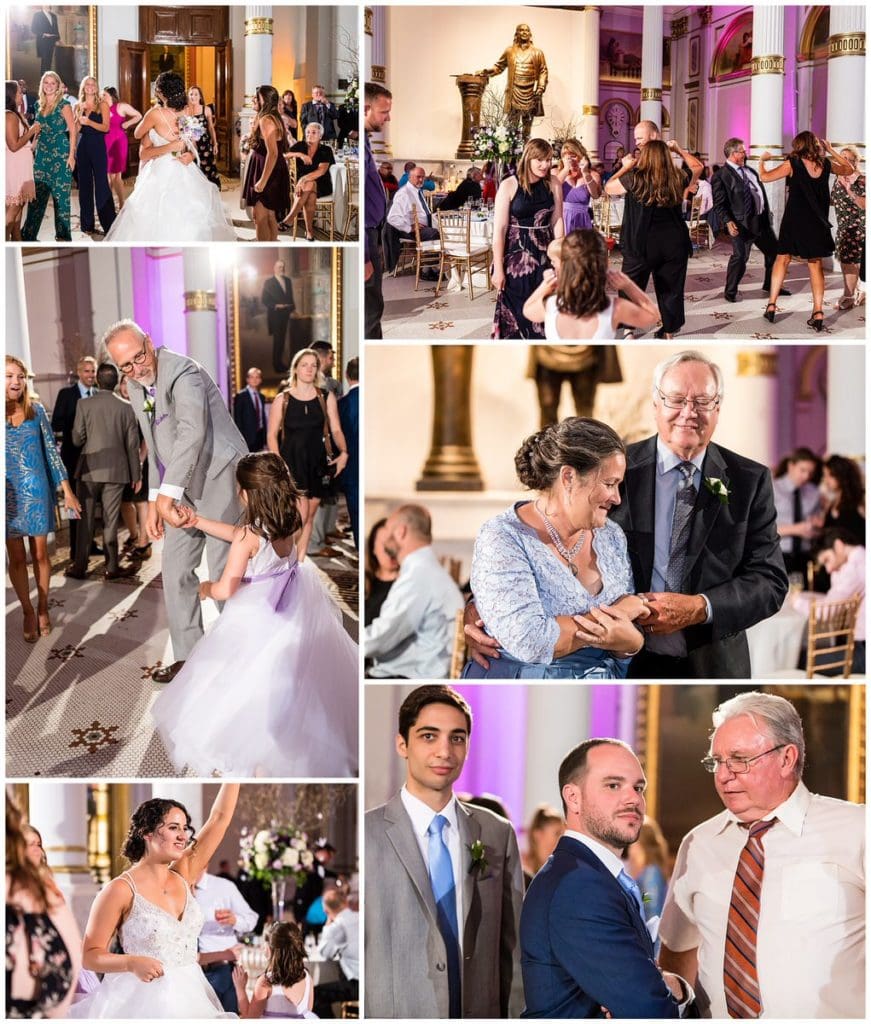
(196, 858)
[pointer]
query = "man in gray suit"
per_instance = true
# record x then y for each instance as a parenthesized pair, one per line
(104, 429)
(188, 429)
(443, 881)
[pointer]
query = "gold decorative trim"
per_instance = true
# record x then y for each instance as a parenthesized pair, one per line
(379, 73)
(772, 64)
(589, 109)
(651, 94)
(64, 869)
(647, 712)
(858, 145)
(706, 14)
(258, 27)
(847, 44)
(67, 849)
(368, 19)
(757, 363)
(337, 308)
(856, 750)
(679, 27)
(200, 301)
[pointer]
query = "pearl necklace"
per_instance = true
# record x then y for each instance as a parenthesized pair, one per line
(567, 553)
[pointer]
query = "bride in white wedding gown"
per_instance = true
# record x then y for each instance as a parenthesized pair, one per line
(152, 910)
(172, 200)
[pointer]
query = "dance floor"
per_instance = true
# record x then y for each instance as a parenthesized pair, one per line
(420, 315)
(77, 701)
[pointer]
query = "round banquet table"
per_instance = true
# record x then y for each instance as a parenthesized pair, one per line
(775, 643)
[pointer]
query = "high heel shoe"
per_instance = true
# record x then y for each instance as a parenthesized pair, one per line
(814, 322)
(141, 554)
(44, 627)
(32, 636)
(770, 310)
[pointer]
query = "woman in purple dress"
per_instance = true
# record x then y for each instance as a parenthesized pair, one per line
(580, 184)
(267, 179)
(528, 216)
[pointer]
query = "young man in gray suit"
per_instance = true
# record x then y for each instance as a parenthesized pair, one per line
(443, 881)
(187, 427)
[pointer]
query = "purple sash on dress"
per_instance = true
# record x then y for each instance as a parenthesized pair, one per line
(281, 596)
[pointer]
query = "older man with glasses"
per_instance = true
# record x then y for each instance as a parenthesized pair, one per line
(766, 910)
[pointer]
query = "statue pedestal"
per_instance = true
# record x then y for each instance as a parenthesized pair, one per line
(471, 90)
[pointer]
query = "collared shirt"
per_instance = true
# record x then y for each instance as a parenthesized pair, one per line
(844, 584)
(428, 184)
(257, 401)
(421, 818)
(413, 636)
(85, 392)
(667, 479)
(784, 489)
(215, 893)
(399, 214)
(610, 859)
(340, 940)
(811, 936)
(753, 182)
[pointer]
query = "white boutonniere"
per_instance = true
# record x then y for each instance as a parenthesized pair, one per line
(148, 404)
(716, 486)
(477, 854)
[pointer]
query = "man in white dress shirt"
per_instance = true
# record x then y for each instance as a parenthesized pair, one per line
(340, 940)
(227, 917)
(409, 197)
(412, 637)
(766, 907)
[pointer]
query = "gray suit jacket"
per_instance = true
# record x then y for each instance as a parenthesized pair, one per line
(406, 966)
(105, 430)
(191, 431)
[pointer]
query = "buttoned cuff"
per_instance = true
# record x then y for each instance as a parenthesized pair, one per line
(176, 493)
(709, 618)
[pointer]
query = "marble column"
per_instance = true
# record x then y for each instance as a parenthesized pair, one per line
(766, 99)
(59, 811)
(845, 98)
(201, 317)
(377, 43)
(17, 333)
(588, 64)
(557, 719)
(750, 403)
(258, 58)
(846, 424)
(651, 65)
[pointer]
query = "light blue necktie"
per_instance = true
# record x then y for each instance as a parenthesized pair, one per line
(441, 877)
(628, 883)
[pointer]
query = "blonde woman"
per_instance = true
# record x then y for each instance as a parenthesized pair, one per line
(848, 199)
(53, 162)
(580, 184)
(93, 115)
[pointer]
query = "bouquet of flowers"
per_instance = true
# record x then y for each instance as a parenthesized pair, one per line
(500, 143)
(191, 129)
(275, 853)
(352, 94)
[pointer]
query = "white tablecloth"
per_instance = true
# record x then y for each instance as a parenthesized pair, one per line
(339, 175)
(776, 643)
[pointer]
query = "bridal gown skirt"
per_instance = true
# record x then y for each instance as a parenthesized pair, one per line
(183, 993)
(172, 202)
(271, 690)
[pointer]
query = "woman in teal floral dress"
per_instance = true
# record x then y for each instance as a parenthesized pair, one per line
(34, 472)
(848, 199)
(53, 161)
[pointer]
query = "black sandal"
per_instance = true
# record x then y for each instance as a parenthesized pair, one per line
(817, 324)
(770, 310)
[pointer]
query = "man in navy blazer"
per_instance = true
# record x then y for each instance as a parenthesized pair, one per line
(585, 946)
(349, 416)
(249, 411)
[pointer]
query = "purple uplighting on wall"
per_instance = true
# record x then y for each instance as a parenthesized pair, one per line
(158, 296)
(223, 381)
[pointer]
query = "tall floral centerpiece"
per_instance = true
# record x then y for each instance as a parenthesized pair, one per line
(274, 856)
(500, 143)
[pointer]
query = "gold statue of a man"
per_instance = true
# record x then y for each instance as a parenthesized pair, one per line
(527, 79)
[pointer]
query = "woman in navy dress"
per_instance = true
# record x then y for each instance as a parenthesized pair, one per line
(34, 472)
(93, 115)
(805, 231)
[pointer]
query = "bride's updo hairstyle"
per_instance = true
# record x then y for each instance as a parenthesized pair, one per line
(578, 442)
(146, 818)
(286, 964)
(171, 88)
(272, 497)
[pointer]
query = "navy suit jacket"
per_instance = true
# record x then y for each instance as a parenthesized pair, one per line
(584, 945)
(349, 417)
(245, 417)
(62, 419)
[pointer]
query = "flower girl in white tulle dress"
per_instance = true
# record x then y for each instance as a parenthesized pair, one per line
(271, 689)
(285, 988)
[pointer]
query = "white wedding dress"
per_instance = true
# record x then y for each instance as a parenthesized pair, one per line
(171, 202)
(181, 993)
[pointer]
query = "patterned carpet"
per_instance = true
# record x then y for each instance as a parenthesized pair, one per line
(77, 701)
(409, 314)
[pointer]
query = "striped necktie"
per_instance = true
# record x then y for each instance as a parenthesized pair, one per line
(684, 502)
(740, 979)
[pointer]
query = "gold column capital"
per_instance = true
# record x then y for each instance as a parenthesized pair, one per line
(589, 108)
(757, 363)
(200, 301)
(258, 27)
(772, 64)
(379, 73)
(706, 14)
(651, 94)
(368, 18)
(679, 27)
(847, 44)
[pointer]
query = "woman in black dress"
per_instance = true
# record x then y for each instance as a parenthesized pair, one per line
(287, 108)
(296, 433)
(207, 144)
(267, 179)
(844, 492)
(381, 571)
(805, 231)
(313, 180)
(654, 236)
(528, 216)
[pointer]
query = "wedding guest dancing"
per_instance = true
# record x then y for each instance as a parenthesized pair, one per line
(581, 184)
(805, 232)
(848, 199)
(296, 715)
(187, 430)
(152, 911)
(654, 237)
(528, 216)
(267, 180)
(92, 165)
(285, 988)
(558, 607)
(121, 117)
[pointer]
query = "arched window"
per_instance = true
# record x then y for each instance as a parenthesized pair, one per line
(734, 50)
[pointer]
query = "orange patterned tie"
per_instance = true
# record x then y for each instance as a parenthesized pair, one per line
(739, 966)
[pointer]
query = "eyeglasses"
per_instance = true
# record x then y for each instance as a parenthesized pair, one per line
(703, 404)
(736, 765)
(138, 359)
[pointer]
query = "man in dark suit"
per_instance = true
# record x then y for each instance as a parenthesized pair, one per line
(315, 882)
(376, 113)
(28, 102)
(701, 529)
(249, 411)
(45, 31)
(585, 946)
(277, 297)
(349, 416)
(468, 190)
(62, 419)
(106, 432)
(320, 111)
(741, 205)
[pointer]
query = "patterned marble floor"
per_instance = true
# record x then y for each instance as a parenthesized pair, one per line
(412, 315)
(77, 701)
